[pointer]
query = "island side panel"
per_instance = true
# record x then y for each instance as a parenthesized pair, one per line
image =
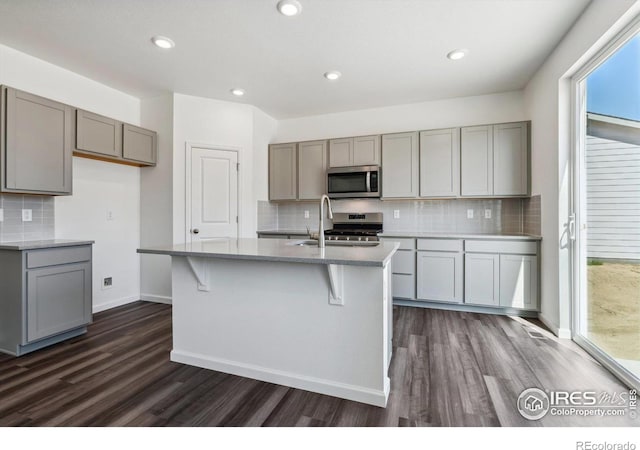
(272, 321)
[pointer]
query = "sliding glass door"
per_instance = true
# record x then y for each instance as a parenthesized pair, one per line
(606, 202)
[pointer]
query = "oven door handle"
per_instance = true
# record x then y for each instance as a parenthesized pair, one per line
(368, 178)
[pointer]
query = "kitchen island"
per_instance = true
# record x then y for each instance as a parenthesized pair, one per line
(286, 312)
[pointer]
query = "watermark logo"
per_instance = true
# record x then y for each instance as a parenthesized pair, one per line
(533, 404)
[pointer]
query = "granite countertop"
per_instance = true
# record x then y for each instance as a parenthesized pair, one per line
(454, 235)
(280, 250)
(48, 243)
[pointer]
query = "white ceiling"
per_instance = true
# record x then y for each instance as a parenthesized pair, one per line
(389, 51)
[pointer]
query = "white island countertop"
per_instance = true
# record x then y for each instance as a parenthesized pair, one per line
(280, 250)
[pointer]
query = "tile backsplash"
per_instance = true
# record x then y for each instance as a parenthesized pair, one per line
(507, 215)
(42, 225)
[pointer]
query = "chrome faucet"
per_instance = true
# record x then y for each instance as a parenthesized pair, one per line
(321, 225)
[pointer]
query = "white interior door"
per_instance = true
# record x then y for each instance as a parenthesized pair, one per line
(214, 194)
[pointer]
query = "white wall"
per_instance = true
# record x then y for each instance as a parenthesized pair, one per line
(97, 185)
(156, 205)
(218, 123)
(547, 99)
(264, 132)
(463, 111)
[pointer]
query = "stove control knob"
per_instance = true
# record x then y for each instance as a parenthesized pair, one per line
(359, 238)
(348, 238)
(366, 239)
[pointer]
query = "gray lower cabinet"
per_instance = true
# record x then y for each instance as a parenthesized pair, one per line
(139, 145)
(47, 296)
(519, 281)
(312, 169)
(403, 269)
(481, 279)
(400, 165)
(440, 276)
(35, 144)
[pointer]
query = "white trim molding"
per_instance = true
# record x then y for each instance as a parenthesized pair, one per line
(156, 299)
(562, 333)
(114, 303)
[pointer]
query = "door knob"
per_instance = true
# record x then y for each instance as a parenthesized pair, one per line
(195, 231)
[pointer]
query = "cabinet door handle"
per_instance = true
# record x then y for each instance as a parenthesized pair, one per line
(195, 231)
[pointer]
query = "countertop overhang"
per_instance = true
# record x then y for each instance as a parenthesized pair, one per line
(279, 250)
(35, 245)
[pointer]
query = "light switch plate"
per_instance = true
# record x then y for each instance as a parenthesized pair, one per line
(396, 213)
(27, 215)
(487, 214)
(1, 215)
(306, 214)
(469, 213)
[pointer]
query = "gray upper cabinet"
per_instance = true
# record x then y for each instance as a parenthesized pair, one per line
(495, 160)
(400, 165)
(511, 159)
(36, 144)
(283, 172)
(476, 155)
(312, 167)
(358, 151)
(366, 151)
(98, 135)
(341, 152)
(139, 145)
(440, 163)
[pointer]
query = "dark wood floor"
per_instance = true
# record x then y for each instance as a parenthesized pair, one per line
(448, 369)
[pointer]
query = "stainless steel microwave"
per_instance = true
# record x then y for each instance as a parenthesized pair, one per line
(354, 182)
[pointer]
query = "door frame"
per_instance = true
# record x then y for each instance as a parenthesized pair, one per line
(577, 201)
(189, 146)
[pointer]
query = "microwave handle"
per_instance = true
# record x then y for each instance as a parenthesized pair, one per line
(368, 181)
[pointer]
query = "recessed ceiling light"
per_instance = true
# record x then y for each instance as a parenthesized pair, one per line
(163, 42)
(457, 54)
(289, 7)
(332, 75)
(237, 92)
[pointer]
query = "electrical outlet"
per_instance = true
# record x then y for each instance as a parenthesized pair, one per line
(487, 214)
(306, 214)
(27, 215)
(1, 215)
(469, 213)
(107, 282)
(109, 215)
(396, 213)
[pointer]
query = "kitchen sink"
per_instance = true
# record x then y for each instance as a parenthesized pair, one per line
(314, 243)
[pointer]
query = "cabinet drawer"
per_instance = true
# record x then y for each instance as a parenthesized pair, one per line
(403, 286)
(58, 256)
(521, 247)
(404, 262)
(405, 243)
(440, 245)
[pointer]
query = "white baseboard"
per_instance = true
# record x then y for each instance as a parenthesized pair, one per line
(321, 386)
(562, 333)
(156, 298)
(114, 303)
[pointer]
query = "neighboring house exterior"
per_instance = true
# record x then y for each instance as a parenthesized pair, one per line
(613, 188)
